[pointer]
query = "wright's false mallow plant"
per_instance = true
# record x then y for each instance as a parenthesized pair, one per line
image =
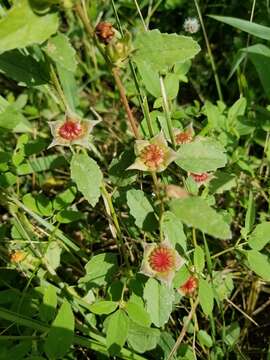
(119, 227)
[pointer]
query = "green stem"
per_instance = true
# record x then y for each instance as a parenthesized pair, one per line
(119, 237)
(167, 111)
(58, 88)
(209, 52)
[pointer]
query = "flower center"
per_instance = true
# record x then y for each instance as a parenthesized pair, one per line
(152, 155)
(162, 259)
(70, 130)
(184, 137)
(190, 285)
(198, 178)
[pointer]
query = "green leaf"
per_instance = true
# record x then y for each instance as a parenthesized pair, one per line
(47, 308)
(232, 333)
(194, 211)
(260, 236)
(141, 338)
(201, 156)
(87, 175)
(163, 50)
(206, 296)
(117, 170)
(69, 85)
(39, 204)
(259, 54)
(103, 307)
(252, 28)
(53, 254)
(138, 314)
(151, 81)
(100, 269)
(68, 216)
(142, 210)
(250, 214)
(222, 182)
(259, 263)
(61, 333)
(24, 68)
(237, 109)
(159, 299)
(223, 285)
(117, 331)
(172, 228)
(21, 27)
(10, 117)
(65, 198)
(59, 49)
(204, 338)
(199, 259)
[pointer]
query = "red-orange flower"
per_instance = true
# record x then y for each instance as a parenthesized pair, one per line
(185, 136)
(201, 178)
(189, 286)
(161, 261)
(71, 131)
(153, 155)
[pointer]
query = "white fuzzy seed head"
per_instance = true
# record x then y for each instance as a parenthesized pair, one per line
(191, 25)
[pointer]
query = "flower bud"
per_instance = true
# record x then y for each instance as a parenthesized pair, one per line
(189, 287)
(105, 32)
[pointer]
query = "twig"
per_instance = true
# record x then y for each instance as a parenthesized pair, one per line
(184, 330)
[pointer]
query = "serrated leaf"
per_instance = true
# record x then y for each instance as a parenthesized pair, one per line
(194, 211)
(21, 27)
(141, 209)
(259, 263)
(117, 331)
(201, 156)
(260, 236)
(159, 300)
(163, 50)
(206, 296)
(60, 50)
(100, 269)
(138, 314)
(87, 175)
(141, 338)
(172, 228)
(103, 307)
(61, 333)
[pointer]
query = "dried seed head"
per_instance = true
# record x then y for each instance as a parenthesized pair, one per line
(105, 32)
(189, 286)
(152, 156)
(191, 25)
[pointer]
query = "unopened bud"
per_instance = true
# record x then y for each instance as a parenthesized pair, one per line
(105, 32)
